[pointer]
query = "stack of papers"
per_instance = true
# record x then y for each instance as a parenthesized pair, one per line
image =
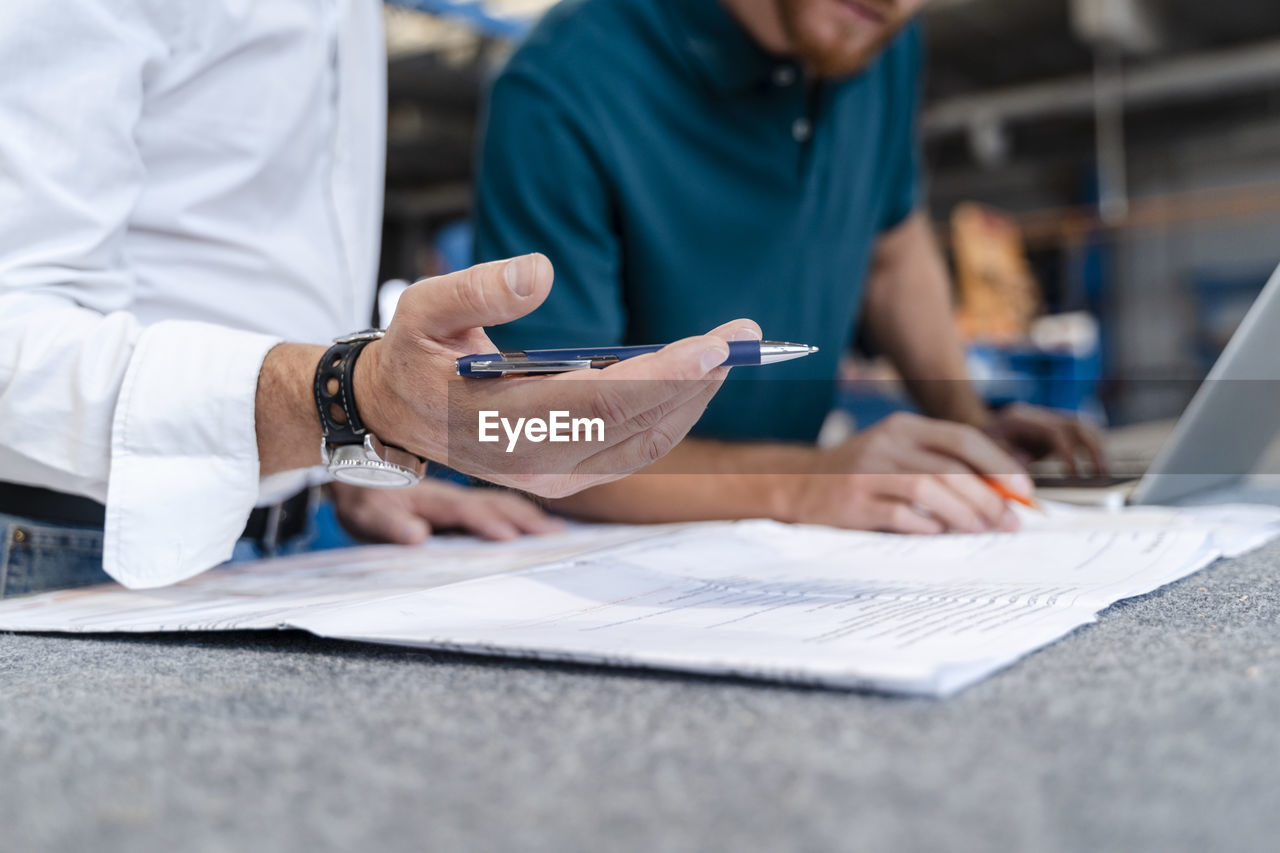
(757, 599)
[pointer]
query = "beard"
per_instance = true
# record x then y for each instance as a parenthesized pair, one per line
(831, 42)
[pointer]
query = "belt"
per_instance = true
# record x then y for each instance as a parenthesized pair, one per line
(268, 526)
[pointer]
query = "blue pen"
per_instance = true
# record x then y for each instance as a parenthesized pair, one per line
(494, 365)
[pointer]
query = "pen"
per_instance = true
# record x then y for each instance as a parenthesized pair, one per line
(1010, 495)
(493, 365)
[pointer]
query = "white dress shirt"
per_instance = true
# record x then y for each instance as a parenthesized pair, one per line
(183, 184)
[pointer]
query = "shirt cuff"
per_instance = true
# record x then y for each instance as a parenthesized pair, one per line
(184, 452)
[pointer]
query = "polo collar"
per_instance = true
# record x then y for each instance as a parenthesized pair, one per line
(720, 48)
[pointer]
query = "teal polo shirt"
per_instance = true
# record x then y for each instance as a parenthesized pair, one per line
(678, 176)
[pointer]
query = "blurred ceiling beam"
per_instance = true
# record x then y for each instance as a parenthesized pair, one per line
(1256, 67)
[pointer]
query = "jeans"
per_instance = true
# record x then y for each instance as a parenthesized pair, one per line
(36, 556)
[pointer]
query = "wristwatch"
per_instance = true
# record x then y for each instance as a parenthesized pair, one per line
(350, 452)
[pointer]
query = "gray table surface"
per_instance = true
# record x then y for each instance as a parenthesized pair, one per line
(1156, 729)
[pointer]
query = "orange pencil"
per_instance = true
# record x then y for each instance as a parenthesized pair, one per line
(1010, 495)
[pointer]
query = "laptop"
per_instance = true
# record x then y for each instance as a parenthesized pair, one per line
(1225, 431)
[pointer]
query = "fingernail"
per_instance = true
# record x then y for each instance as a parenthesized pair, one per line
(519, 275)
(713, 357)
(1024, 484)
(744, 333)
(1009, 522)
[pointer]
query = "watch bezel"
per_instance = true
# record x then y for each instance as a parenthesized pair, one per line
(373, 464)
(367, 335)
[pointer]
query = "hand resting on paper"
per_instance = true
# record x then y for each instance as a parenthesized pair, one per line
(409, 516)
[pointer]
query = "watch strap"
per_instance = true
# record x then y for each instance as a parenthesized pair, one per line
(339, 420)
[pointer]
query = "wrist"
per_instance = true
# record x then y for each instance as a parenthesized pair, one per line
(353, 449)
(770, 479)
(789, 491)
(981, 417)
(962, 405)
(785, 498)
(373, 400)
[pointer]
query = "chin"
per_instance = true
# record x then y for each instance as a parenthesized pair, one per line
(831, 40)
(838, 60)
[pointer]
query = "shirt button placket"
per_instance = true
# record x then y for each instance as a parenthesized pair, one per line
(801, 129)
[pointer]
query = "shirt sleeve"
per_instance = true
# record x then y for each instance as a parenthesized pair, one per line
(541, 188)
(157, 422)
(904, 82)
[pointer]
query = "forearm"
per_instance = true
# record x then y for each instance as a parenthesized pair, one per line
(285, 419)
(908, 314)
(700, 481)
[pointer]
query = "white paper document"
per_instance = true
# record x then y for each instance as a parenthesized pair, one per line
(920, 615)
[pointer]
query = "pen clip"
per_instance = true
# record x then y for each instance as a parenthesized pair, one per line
(505, 367)
(518, 364)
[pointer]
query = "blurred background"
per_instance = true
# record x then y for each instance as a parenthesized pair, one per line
(1104, 174)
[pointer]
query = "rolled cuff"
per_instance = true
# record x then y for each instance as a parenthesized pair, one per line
(184, 452)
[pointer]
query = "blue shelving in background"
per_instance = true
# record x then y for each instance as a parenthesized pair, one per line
(470, 12)
(1057, 380)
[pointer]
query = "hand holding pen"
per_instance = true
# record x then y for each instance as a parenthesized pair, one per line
(408, 395)
(909, 474)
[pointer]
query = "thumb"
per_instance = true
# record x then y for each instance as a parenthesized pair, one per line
(484, 295)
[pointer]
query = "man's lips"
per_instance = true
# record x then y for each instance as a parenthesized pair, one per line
(865, 11)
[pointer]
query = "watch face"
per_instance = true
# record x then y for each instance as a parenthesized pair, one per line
(374, 477)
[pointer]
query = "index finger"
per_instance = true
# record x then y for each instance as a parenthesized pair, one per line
(974, 449)
(738, 330)
(621, 392)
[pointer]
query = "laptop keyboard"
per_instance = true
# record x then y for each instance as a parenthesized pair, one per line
(1121, 469)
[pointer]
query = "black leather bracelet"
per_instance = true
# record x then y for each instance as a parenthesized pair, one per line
(335, 395)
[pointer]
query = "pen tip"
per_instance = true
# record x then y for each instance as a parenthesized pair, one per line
(812, 349)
